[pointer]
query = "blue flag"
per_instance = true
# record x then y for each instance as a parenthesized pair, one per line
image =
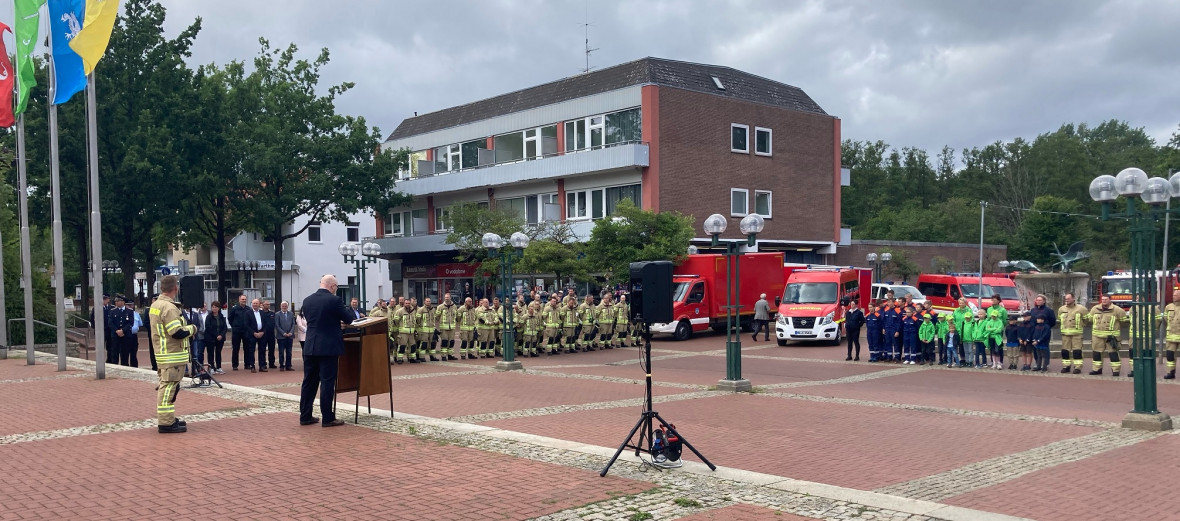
(65, 20)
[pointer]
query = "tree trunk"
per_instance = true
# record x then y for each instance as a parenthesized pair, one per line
(278, 241)
(219, 240)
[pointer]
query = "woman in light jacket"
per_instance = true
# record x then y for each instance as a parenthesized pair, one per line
(300, 328)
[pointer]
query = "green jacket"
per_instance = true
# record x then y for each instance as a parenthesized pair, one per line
(926, 331)
(994, 328)
(942, 329)
(959, 316)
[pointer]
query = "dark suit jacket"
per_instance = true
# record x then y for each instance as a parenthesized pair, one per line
(325, 313)
(240, 318)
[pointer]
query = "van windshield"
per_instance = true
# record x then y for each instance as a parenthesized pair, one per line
(972, 291)
(680, 290)
(810, 293)
(1117, 286)
(1005, 292)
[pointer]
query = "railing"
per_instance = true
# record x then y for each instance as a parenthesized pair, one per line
(499, 162)
(83, 336)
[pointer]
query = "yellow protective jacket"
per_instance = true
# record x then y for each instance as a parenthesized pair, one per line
(1107, 322)
(425, 320)
(167, 324)
(1171, 317)
(1071, 319)
(446, 317)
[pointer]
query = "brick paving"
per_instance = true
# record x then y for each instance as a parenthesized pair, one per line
(1037, 446)
(56, 404)
(1137, 482)
(849, 446)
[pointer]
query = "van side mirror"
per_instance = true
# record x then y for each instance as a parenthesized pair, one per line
(778, 301)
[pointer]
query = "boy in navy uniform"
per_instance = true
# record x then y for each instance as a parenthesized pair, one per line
(891, 323)
(1042, 331)
(873, 332)
(909, 336)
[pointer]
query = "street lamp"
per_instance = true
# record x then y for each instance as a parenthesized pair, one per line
(360, 255)
(750, 226)
(878, 261)
(495, 245)
(1132, 183)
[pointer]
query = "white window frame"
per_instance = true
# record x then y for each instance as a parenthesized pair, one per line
(746, 198)
(769, 142)
(349, 227)
(319, 228)
(743, 127)
(398, 228)
(442, 215)
(769, 202)
(591, 194)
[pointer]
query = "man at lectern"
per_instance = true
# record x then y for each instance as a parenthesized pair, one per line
(325, 314)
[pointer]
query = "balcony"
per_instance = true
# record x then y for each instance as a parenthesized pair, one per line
(394, 245)
(412, 243)
(553, 166)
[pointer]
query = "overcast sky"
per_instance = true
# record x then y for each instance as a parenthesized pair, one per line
(923, 73)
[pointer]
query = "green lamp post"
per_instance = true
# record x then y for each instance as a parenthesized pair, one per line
(750, 226)
(1131, 183)
(495, 245)
(360, 255)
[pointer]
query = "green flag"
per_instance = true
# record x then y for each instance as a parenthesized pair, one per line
(28, 20)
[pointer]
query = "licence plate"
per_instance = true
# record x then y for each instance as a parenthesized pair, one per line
(803, 332)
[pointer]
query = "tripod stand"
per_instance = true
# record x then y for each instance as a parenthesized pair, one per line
(644, 425)
(200, 374)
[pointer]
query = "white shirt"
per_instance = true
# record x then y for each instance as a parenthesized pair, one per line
(258, 318)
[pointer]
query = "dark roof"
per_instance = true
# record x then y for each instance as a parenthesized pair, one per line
(670, 73)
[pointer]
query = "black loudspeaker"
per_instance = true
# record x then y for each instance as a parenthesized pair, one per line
(192, 291)
(651, 292)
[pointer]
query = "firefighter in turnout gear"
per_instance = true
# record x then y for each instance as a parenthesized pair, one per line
(551, 317)
(401, 332)
(468, 320)
(1171, 318)
(170, 340)
(605, 315)
(622, 322)
(1071, 318)
(425, 329)
(1108, 322)
(587, 341)
(569, 324)
(486, 324)
(534, 323)
(447, 319)
(497, 336)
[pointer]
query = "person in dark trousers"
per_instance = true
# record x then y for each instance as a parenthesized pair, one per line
(326, 315)
(256, 341)
(1042, 332)
(112, 355)
(216, 328)
(854, 319)
(239, 320)
(122, 319)
(1024, 333)
(762, 317)
(891, 324)
(285, 331)
(873, 332)
(268, 337)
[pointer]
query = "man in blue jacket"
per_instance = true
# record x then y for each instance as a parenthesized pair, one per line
(891, 323)
(325, 314)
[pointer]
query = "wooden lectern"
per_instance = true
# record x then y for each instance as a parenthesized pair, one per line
(364, 366)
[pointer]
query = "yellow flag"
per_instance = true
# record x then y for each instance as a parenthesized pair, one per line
(91, 42)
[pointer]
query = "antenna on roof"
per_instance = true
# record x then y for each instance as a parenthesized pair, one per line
(586, 25)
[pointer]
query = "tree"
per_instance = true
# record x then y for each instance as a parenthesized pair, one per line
(902, 266)
(633, 235)
(1041, 229)
(296, 156)
(469, 221)
(555, 248)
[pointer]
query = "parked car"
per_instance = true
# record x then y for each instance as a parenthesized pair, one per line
(899, 291)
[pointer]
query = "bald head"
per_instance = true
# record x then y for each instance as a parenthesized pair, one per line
(328, 282)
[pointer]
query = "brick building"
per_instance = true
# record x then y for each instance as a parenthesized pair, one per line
(667, 135)
(928, 257)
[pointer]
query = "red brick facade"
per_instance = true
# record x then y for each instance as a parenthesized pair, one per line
(930, 257)
(697, 168)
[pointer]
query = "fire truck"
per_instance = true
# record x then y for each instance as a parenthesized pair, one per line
(1117, 284)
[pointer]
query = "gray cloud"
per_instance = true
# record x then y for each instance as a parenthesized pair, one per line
(923, 73)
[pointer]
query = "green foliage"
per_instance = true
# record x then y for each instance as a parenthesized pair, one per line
(632, 235)
(469, 221)
(294, 155)
(555, 249)
(902, 266)
(897, 194)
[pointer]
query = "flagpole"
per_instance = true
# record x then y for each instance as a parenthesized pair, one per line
(26, 256)
(95, 230)
(59, 296)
